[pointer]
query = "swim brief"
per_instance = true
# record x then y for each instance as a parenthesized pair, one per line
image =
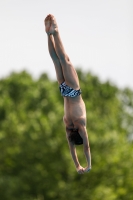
(67, 91)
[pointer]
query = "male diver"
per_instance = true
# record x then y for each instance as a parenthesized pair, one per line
(74, 107)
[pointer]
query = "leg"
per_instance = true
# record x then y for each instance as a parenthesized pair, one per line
(69, 72)
(56, 61)
(52, 52)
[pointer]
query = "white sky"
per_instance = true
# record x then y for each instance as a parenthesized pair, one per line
(97, 35)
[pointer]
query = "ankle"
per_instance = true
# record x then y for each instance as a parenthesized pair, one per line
(56, 32)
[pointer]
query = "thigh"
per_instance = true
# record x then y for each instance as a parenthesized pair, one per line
(70, 74)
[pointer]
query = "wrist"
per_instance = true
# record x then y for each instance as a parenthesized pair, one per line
(87, 169)
(88, 166)
(77, 165)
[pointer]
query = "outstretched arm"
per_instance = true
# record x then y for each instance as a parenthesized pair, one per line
(73, 152)
(86, 147)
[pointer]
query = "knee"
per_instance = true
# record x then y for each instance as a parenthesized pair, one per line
(63, 58)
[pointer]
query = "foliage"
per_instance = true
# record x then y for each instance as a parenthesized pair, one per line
(35, 159)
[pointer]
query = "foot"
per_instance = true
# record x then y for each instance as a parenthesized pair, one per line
(50, 24)
(47, 23)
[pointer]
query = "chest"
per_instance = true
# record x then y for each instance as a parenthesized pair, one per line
(74, 109)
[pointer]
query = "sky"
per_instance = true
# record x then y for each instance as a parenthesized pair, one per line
(97, 36)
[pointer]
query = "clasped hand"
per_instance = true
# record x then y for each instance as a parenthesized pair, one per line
(82, 170)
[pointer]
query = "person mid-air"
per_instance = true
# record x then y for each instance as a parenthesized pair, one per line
(74, 107)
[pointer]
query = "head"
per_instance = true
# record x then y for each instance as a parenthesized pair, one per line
(75, 137)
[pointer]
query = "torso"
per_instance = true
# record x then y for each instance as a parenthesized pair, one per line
(74, 110)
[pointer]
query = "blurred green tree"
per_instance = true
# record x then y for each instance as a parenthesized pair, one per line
(35, 162)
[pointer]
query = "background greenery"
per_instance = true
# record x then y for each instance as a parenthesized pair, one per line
(35, 163)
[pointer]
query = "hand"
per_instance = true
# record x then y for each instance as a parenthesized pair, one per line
(80, 169)
(87, 169)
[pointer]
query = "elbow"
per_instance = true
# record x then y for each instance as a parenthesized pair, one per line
(86, 147)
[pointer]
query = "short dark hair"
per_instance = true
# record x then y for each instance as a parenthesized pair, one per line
(75, 137)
